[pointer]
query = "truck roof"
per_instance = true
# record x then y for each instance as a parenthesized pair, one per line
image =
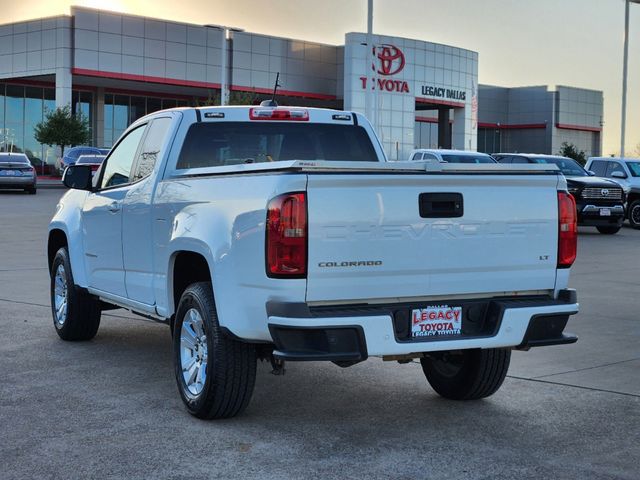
(280, 113)
(449, 151)
(538, 155)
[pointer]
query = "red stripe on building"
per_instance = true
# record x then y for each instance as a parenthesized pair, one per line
(582, 128)
(428, 120)
(440, 102)
(143, 78)
(289, 93)
(513, 126)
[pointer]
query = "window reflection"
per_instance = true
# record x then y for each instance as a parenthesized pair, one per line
(21, 109)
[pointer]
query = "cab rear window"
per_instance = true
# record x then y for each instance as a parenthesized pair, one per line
(213, 144)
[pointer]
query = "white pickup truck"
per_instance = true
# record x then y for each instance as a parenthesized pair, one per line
(281, 233)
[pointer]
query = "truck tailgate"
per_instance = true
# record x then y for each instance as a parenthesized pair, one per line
(369, 240)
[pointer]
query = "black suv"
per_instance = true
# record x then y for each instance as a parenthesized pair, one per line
(600, 202)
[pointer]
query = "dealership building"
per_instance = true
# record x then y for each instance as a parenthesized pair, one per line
(115, 68)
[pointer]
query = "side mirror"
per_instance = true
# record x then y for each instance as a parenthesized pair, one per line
(78, 177)
(591, 174)
(618, 174)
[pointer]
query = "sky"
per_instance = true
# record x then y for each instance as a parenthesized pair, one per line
(520, 42)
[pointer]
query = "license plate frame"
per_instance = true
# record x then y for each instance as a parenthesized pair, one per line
(436, 320)
(605, 212)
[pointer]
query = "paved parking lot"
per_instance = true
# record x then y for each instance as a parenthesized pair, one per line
(109, 408)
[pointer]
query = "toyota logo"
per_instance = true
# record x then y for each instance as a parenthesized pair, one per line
(604, 192)
(390, 59)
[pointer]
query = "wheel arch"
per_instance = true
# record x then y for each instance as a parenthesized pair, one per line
(57, 239)
(632, 197)
(186, 266)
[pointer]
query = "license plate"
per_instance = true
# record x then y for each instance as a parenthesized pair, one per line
(435, 321)
(8, 173)
(605, 212)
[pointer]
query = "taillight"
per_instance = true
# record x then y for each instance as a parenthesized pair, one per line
(567, 230)
(291, 114)
(286, 236)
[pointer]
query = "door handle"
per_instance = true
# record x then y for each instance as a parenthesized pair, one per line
(114, 207)
(441, 205)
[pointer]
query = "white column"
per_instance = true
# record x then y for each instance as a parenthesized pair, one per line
(224, 74)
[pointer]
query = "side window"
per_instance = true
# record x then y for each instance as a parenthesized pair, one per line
(504, 159)
(118, 166)
(599, 168)
(417, 156)
(151, 147)
(520, 160)
(429, 156)
(614, 167)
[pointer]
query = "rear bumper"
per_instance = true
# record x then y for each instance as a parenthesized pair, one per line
(346, 337)
(17, 182)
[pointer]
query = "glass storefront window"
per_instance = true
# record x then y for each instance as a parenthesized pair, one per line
(138, 108)
(33, 104)
(120, 111)
(168, 103)
(21, 109)
(154, 104)
(49, 100)
(120, 116)
(14, 119)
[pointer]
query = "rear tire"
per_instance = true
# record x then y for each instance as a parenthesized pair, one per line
(466, 374)
(215, 374)
(634, 214)
(608, 230)
(76, 314)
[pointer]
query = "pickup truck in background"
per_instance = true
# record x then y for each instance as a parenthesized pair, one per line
(281, 233)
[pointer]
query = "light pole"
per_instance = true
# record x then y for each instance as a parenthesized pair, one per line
(368, 101)
(624, 74)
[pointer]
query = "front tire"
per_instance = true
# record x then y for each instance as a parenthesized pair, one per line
(634, 214)
(76, 314)
(608, 230)
(466, 374)
(215, 373)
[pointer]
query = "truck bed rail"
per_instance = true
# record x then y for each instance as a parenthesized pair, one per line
(324, 166)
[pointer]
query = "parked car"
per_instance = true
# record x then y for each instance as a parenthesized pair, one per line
(284, 234)
(94, 161)
(600, 202)
(449, 156)
(626, 172)
(16, 172)
(71, 154)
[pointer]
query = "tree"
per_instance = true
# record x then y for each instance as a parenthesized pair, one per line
(235, 98)
(62, 128)
(571, 151)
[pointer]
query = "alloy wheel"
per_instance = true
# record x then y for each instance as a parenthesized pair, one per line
(194, 353)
